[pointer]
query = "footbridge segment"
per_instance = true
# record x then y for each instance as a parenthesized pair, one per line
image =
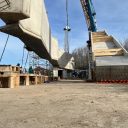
(28, 20)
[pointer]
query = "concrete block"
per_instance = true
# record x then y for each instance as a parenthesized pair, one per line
(14, 10)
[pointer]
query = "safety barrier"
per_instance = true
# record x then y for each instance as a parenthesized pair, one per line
(113, 82)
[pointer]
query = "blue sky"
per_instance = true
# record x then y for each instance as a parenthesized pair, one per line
(111, 16)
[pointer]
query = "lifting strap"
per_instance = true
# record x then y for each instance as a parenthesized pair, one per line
(4, 48)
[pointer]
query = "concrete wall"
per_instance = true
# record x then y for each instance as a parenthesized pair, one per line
(31, 25)
(38, 25)
(54, 48)
(65, 59)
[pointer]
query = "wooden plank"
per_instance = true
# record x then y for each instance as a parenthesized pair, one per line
(100, 36)
(103, 39)
(109, 52)
(8, 68)
(99, 33)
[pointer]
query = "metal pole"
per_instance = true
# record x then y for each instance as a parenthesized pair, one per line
(67, 29)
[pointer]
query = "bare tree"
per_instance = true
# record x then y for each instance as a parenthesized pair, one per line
(80, 56)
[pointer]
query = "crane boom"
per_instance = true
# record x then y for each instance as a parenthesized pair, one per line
(90, 14)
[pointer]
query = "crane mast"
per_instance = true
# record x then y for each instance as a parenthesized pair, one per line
(90, 15)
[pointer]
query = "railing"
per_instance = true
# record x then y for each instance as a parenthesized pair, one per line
(4, 4)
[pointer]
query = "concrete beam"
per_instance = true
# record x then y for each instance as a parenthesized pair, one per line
(14, 10)
(28, 20)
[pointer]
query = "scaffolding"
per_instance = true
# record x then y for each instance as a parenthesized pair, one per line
(39, 65)
(35, 61)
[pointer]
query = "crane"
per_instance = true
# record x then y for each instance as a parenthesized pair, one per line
(90, 15)
(103, 59)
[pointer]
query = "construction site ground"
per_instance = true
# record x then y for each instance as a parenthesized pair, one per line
(65, 104)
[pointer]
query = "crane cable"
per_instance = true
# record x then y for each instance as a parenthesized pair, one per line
(4, 48)
(23, 55)
(26, 60)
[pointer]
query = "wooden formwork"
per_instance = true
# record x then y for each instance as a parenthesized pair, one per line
(4, 82)
(9, 81)
(36, 79)
(16, 80)
(10, 77)
(100, 38)
(109, 52)
(109, 58)
(33, 79)
(9, 69)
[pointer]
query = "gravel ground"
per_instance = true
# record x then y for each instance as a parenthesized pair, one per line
(65, 104)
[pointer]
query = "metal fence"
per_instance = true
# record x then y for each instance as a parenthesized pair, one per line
(111, 73)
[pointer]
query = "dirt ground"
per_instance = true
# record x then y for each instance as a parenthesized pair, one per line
(65, 104)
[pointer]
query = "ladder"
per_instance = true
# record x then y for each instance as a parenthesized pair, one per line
(4, 4)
